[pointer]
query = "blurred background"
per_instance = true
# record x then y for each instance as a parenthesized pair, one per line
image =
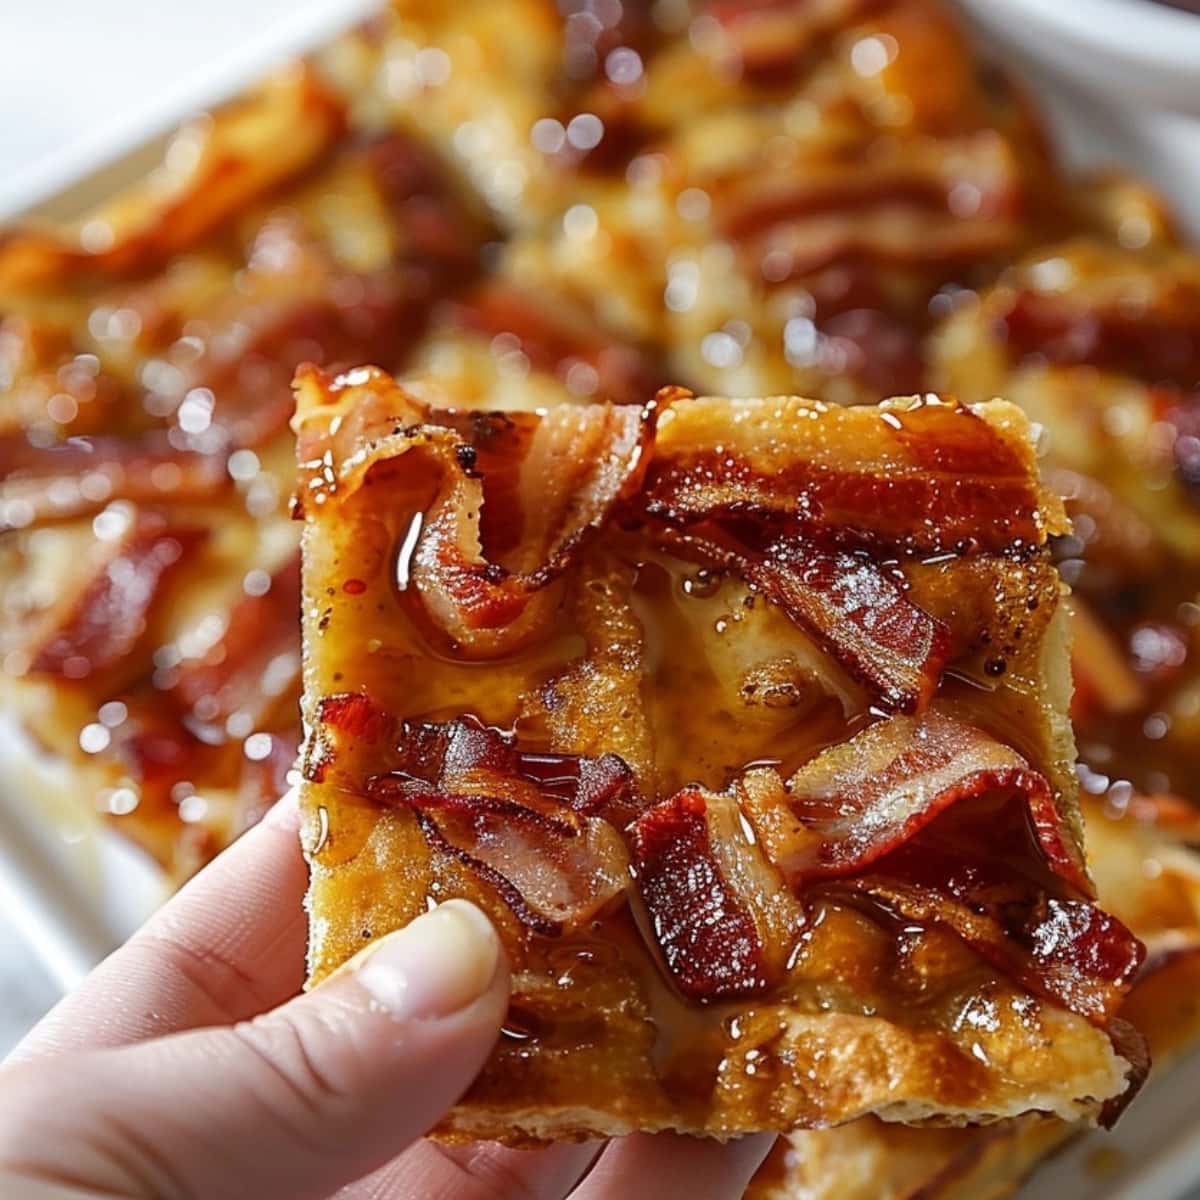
(83, 83)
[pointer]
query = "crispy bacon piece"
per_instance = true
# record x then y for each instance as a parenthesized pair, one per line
(83, 474)
(523, 821)
(707, 934)
(460, 755)
(578, 462)
(553, 344)
(859, 612)
(863, 814)
(861, 615)
(351, 714)
(564, 879)
(936, 478)
(110, 615)
(857, 801)
(1068, 950)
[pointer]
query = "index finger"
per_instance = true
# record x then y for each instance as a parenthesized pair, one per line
(229, 945)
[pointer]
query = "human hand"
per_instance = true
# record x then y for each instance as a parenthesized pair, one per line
(187, 1065)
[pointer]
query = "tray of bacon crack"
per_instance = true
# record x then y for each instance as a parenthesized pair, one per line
(534, 217)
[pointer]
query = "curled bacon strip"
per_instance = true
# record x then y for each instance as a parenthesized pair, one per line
(859, 800)
(860, 820)
(1066, 949)
(580, 462)
(704, 928)
(463, 753)
(556, 871)
(921, 476)
(530, 917)
(531, 825)
(583, 460)
(110, 615)
(859, 612)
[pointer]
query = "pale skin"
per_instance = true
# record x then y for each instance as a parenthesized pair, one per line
(189, 1067)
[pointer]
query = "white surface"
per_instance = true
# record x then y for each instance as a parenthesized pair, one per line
(84, 83)
(72, 894)
(1126, 103)
(1137, 51)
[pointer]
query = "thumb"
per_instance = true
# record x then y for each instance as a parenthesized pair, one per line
(293, 1104)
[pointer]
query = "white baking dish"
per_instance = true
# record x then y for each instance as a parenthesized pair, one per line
(74, 889)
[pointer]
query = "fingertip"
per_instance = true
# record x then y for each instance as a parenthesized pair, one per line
(284, 813)
(436, 966)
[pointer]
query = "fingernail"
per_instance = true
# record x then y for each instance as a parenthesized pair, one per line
(437, 965)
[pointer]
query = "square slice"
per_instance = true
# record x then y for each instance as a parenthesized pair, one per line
(744, 720)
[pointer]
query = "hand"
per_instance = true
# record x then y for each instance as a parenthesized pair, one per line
(187, 1065)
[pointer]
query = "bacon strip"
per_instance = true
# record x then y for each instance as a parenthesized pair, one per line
(857, 801)
(921, 476)
(521, 820)
(531, 825)
(110, 615)
(578, 462)
(857, 611)
(461, 754)
(1068, 950)
(83, 474)
(707, 934)
(859, 820)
